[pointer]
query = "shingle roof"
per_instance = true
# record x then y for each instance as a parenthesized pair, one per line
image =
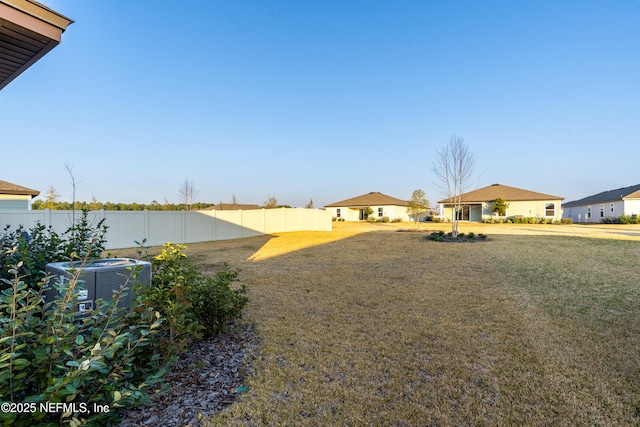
(11, 188)
(632, 192)
(370, 199)
(510, 194)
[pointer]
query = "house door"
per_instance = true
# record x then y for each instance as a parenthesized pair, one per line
(363, 214)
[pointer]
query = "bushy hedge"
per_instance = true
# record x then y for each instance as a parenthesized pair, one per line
(30, 250)
(193, 304)
(49, 355)
(622, 219)
(526, 220)
(111, 357)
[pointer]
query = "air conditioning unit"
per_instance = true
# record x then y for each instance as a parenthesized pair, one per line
(98, 279)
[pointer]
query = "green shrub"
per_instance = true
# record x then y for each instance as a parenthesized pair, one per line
(622, 219)
(40, 245)
(49, 355)
(192, 304)
(216, 303)
(440, 236)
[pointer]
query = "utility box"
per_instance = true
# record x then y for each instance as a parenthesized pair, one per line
(98, 279)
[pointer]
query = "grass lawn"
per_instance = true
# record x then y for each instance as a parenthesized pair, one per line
(365, 325)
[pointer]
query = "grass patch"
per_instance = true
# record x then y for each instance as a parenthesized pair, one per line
(382, 329)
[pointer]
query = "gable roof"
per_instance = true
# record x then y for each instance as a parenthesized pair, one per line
(618, 194)
(370, 199)
(10, 188)
(510, 194)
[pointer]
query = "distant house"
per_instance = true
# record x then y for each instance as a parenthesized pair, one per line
(232, 207)
(476, 204)
(15, 197)
(612, 203)
(354, 209)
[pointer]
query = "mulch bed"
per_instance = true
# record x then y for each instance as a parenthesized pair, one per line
(206, 379)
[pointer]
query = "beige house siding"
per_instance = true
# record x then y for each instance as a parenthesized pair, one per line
(354, 214)
(535, 208)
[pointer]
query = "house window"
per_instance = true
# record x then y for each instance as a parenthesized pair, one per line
(463, 213)
(550, 209)
(380, 213)
(338, 213)
(589, 212)
(601, 211)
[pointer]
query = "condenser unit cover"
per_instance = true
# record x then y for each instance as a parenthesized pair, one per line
(99, 278)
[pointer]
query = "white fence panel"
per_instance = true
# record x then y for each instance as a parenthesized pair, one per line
(159, 227)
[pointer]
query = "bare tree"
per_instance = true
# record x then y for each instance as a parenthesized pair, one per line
(74, 206)
(454, 167)
(271, 202)
(234, 202)
(188, 194)
(309, 205)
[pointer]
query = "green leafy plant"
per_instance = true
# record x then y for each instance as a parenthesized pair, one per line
(30, 250)
(193, 304)
(216, 302)
(49, 355)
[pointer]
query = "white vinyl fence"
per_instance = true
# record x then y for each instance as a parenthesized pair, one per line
(159, 227)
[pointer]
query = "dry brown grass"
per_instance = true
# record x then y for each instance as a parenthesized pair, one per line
(387, 328)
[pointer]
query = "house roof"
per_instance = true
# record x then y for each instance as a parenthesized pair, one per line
(231, 207)
(28, 31)
(370, 199)
(510, 194)
(618, 194)
(11, 188)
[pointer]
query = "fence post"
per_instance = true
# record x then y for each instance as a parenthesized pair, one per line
(283, 224)
(184, 226)
(215, 220)
(146, 225)
(47, 217)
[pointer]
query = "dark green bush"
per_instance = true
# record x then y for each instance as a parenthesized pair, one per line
(49, 355)
(216, 303)
(440, 236)
(622, 219)
(40, 245)
(193, 304)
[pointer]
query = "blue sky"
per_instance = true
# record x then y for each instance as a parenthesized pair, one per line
(327, 100)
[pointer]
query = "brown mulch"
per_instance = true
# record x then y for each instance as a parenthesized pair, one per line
(206, 379)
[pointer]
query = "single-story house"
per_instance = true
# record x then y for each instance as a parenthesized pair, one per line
(355, 208)
(612, 203)
(475, 205)
(15, 197)
(232, 207)
(28, 31)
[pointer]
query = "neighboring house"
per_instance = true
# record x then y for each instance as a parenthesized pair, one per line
(354, 209)
(612, 203)
(232, 207)
(15, 197)
(28, 30)
(476, 204)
